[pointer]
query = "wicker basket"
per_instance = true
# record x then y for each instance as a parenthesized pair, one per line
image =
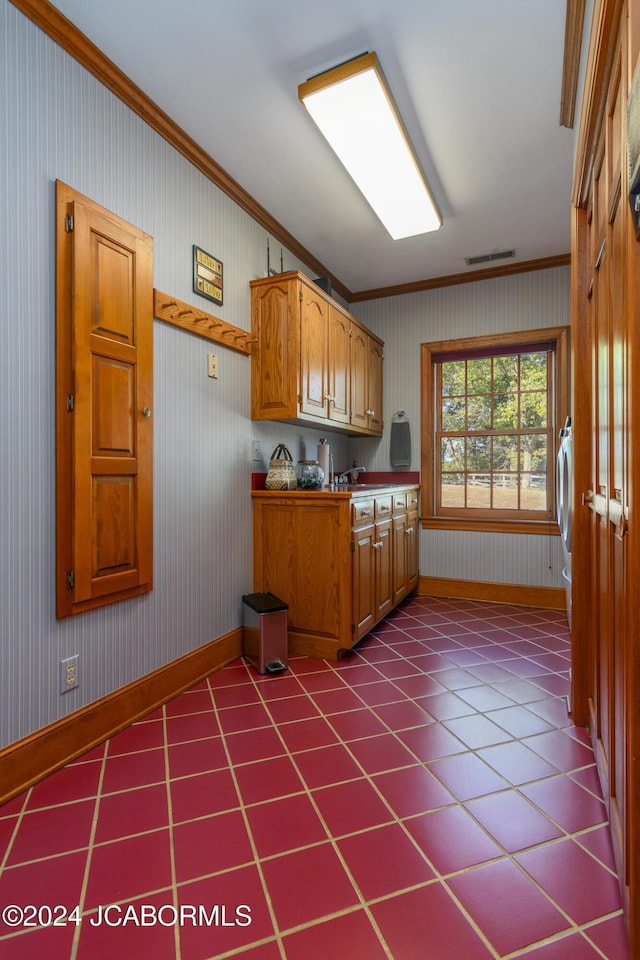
(281, 474)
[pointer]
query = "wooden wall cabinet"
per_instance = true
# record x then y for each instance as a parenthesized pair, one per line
(311, 361)
(334, 559)
(366, 380)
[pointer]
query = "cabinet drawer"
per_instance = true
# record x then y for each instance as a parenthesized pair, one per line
(362, 512)
(383, 507)
(399, 503)
(412, 500)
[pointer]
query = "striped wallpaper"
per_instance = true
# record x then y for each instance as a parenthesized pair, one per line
(521, 302)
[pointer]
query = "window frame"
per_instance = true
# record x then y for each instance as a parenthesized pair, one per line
(558, 340)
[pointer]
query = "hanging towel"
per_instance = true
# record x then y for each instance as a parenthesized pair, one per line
(400, 443)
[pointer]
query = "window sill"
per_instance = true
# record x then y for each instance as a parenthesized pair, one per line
(547, 528)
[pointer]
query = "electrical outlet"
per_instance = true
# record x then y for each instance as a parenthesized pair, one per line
(212, 365)
(255, 450)
(69, 674)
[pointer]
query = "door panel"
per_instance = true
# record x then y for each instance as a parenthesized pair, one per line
(374, 386)
(363, 581)
(339, 371)
(104, 398)
(617, 466)
(384, 568)
(113, 385)
(314, 354)
(359, 377)
(609, 467)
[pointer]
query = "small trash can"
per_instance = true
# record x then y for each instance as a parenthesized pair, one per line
(264, 632)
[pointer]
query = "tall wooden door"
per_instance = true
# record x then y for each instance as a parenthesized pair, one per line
(609, 495)
(104, 398)
(606, 342)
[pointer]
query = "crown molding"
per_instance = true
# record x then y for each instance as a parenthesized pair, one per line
(454, 279)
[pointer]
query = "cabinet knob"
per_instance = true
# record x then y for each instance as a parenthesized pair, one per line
(370, 413)
(146, 412)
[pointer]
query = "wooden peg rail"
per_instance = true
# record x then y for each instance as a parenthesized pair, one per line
(183, 315)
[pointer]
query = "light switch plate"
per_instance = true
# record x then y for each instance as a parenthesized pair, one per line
(212, 365)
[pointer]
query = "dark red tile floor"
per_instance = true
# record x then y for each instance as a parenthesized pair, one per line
(426, 798)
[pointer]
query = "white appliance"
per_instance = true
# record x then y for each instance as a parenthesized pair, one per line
(565, 505)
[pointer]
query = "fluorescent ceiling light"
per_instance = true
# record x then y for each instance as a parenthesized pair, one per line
(354, 110)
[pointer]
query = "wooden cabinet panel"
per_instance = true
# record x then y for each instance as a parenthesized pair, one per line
(301, 555)
(383, 569)
(366, 380)
(375, 419)
(314, 353)
(275, 356)
(104, 394)
(412, 534)
(339, 366)
(359, 378)
(399, 558)
(364, 580)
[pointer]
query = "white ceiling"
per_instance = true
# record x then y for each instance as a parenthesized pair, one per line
(478, 85)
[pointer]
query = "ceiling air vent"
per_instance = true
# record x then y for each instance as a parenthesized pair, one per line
(489, 257)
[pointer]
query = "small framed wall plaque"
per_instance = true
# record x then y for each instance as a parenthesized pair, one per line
(207, 275)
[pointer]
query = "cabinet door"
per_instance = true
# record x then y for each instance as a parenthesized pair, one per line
(411, 535)
(314, 353)
(275, 359)
(339, 366)
(399, 558)
(363, 581)
(104, 453)
(374, 386)
(384, 568)
(359, 376)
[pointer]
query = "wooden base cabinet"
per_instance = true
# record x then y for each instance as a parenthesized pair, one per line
(405, 544)
(311, 361)
(371, 545)
(330, 556)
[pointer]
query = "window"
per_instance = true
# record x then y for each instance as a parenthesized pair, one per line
(492, 408)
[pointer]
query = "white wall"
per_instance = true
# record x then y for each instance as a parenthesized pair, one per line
(522, 302)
